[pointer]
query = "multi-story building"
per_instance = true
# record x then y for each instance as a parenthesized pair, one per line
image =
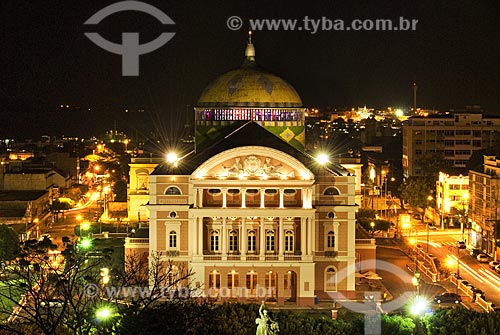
(484, 189)
(249, 211)
(452, 199)
(451, 137)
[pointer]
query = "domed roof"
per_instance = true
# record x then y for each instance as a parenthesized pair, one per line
(249, 86)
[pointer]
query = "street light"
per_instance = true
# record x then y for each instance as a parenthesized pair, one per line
(465, 198)
(416, 281)
(451, 260)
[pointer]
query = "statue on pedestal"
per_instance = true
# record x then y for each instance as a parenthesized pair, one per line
(265, 325)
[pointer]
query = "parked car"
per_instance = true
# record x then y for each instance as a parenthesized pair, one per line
(493, 264)
(474, 252)
(483, 258)
(431, 225)
(448, 297)
(461, 245)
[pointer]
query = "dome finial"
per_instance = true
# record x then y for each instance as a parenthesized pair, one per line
(250, 50)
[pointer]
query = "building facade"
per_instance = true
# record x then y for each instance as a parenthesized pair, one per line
(484, 193)
(249, 211)
(451, 137)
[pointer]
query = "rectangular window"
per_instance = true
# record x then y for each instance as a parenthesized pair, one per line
(233, 242)
(331, 241)
(214, 243)
(173, 241)
(251, 242)
(289, 242)
(270, 242)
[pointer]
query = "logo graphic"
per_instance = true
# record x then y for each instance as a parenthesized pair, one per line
(130, 49)
(370, 307)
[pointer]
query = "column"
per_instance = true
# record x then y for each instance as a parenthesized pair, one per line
(313, 234)
(223, 237)
(224, 197)
(303, 236)
(281, 237)
(262, 235)
(243, 235)
(309, 236)
(243, 192)
(200, 197)
(303, 197)
(262, 194)
(199, 223)
(281, 197)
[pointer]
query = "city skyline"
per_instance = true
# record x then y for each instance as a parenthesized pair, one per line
(49, 62)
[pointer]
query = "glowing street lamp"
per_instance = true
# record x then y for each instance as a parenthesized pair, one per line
(172, 157)
(323, 159)
(103, 313)
(85, 243)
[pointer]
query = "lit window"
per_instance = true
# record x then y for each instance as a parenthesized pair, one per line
(252, 284)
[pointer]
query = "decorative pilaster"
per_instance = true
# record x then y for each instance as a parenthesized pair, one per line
(281, 239)
(262, 194)
(223, 237)
(281, 197)
(262, 244)
(243, 193)
(224, 197)
(243, 235)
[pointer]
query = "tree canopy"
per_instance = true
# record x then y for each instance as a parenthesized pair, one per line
(9, 243)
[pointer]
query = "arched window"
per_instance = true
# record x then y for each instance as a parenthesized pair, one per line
(172, 239)
(233, 241)
(214, 191)
(214, 240)
(251, 284)
(330, 240)
(233, 281)
(173, 275)
(330, 279)
(288, 241)
(214, 283)
(173, 190)
(271, 191)
(251, 241)
(331, 191)
(289, 192)
(271, 281)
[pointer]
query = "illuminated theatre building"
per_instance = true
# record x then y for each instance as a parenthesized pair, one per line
(249, 211)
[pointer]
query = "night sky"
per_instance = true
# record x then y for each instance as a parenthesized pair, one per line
(47, 61)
